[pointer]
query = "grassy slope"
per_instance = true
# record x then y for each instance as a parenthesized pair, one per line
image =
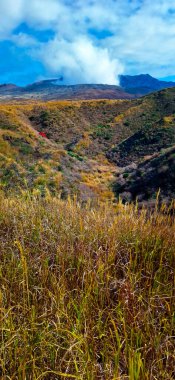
(86, 141)
(71, 160)
(146, 179)
(152, 127)
(82, 302)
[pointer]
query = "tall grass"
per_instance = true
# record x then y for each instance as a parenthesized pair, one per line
(86, 293)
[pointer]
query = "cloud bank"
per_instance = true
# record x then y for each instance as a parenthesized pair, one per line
(93, 41)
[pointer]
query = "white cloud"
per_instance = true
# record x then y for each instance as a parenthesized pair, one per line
(10, 16)
(148, 42)
(80, 61)
(142, 36)
(24, 40)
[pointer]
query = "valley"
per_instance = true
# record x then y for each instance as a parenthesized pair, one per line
(91, 149)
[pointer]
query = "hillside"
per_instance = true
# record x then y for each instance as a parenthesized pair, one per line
(58, 146)
(151, 125)
(144, 180)
(84, 148)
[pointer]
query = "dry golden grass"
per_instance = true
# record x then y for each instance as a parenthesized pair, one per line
(86, 293)
(30, 161)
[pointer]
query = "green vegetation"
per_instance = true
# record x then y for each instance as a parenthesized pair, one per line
(125, 175)
(103, 131)
(75, 155)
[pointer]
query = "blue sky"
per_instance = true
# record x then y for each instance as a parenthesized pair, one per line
(86, 41)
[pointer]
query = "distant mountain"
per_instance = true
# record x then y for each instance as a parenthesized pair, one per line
(41, 85)
(51, 90)
(8, 88)
(130, 87)
(142, 84)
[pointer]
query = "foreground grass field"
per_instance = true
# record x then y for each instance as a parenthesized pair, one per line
(86, 293)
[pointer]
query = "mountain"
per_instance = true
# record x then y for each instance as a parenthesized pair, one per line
(9, 88)
(91, 149)
(142, 84)
(130, 87)
(51, 90)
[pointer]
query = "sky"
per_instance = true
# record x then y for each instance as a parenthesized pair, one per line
(86, 41)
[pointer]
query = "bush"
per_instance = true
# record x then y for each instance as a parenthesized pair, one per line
(75, 155)
(125, 175)
(103, 131)
(126, 123)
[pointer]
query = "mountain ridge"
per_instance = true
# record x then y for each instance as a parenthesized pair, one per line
(143, 80)
(130, 87)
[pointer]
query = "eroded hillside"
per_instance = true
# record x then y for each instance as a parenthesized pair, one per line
(85, 148)
(59, 146)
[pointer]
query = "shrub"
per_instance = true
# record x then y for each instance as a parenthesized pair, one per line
(125, 175)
